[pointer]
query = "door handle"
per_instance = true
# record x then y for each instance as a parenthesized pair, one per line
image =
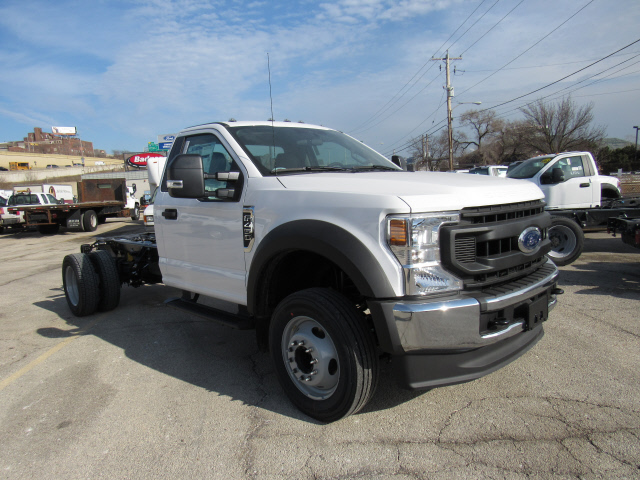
(585, 185)
(170, 214)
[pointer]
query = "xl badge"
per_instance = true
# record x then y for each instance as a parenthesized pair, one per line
(530, 239)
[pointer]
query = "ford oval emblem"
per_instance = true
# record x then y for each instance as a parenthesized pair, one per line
(530, 239)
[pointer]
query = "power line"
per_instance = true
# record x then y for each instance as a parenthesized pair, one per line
(536, 43)
(393, 99)
(474, 23)
(550, 64)
(494, 26)
(563, 78)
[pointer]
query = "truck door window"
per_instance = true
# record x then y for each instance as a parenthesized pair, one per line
(215, 158)
(572, 167)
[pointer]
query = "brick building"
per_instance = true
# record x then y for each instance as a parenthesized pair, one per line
(45, 142)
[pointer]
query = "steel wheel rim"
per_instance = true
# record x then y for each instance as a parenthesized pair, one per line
(71, 285)
(94, 221)
(562, 240)
(310, 357)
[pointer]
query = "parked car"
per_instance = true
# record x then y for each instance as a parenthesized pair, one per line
(493, 170)
(7, 219)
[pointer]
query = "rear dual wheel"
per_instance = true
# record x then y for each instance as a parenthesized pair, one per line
(324, 354)
(91, 282)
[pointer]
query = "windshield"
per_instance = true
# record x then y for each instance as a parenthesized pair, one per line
(278, 150)
(529, 168)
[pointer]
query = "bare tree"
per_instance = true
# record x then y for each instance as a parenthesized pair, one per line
(512, 142)
(484, 127)
(561, 127)
(432, 152)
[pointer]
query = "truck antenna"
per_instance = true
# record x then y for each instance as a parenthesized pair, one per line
(273, 131)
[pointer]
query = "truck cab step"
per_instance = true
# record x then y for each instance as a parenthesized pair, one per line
(239, 322)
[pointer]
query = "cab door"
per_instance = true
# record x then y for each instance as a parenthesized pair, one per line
(576, 191)
(200, 241)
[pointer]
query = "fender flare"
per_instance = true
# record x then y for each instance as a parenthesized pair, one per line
(327, 240)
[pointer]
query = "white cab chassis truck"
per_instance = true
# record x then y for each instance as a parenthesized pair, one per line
(577, 197)
(338, 259)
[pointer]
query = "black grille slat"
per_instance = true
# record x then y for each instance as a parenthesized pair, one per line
(499, 213)
(466, 249)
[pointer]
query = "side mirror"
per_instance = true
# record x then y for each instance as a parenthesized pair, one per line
(185, 177)
(553, 176)
(399, 161)
(557, 175)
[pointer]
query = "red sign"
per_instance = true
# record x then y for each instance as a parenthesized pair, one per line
(140, 159)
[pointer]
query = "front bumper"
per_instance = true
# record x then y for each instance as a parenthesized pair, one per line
(497, 324)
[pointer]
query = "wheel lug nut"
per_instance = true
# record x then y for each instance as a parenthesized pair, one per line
(315, 372)
(314, 361)
(308, 350)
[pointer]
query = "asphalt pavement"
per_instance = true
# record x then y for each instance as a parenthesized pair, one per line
(145, 391)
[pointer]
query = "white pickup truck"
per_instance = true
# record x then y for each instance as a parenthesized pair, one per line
(337, 258)
(576, 195)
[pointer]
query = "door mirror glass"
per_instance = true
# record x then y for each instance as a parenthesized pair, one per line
(185, 177)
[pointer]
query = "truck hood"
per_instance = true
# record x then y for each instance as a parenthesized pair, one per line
(422, 191)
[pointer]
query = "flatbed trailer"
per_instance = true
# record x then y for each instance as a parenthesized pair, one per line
(83, 216)
(99, 199)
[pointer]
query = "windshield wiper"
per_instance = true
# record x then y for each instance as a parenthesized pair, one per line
(318, 168)
(376, 167)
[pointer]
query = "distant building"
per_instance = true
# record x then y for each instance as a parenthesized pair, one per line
(48, 143)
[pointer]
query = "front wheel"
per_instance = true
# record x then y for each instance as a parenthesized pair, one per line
(567, 241)
(135, 215)
(324, 354)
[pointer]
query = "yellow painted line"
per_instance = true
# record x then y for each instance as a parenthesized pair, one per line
(27, 368)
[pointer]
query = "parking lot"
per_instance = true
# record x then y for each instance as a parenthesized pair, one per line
(147, 392)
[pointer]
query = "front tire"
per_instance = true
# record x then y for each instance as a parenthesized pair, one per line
(324, 354)
(80, 283)
(136, 213)
(567, 241)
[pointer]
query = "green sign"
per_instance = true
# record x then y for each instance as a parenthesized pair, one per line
(153, 147)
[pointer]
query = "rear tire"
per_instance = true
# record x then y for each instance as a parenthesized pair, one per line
(567, 241)
(325, 356)
(89, 221)
(108, 280)
(80, 283)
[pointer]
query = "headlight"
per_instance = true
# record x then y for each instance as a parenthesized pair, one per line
(414, 240)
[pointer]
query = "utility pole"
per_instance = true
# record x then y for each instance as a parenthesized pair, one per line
(635, 154)
(449, 90)
(425, 151)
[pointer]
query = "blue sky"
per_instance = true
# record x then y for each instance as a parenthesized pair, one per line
(123, 72)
